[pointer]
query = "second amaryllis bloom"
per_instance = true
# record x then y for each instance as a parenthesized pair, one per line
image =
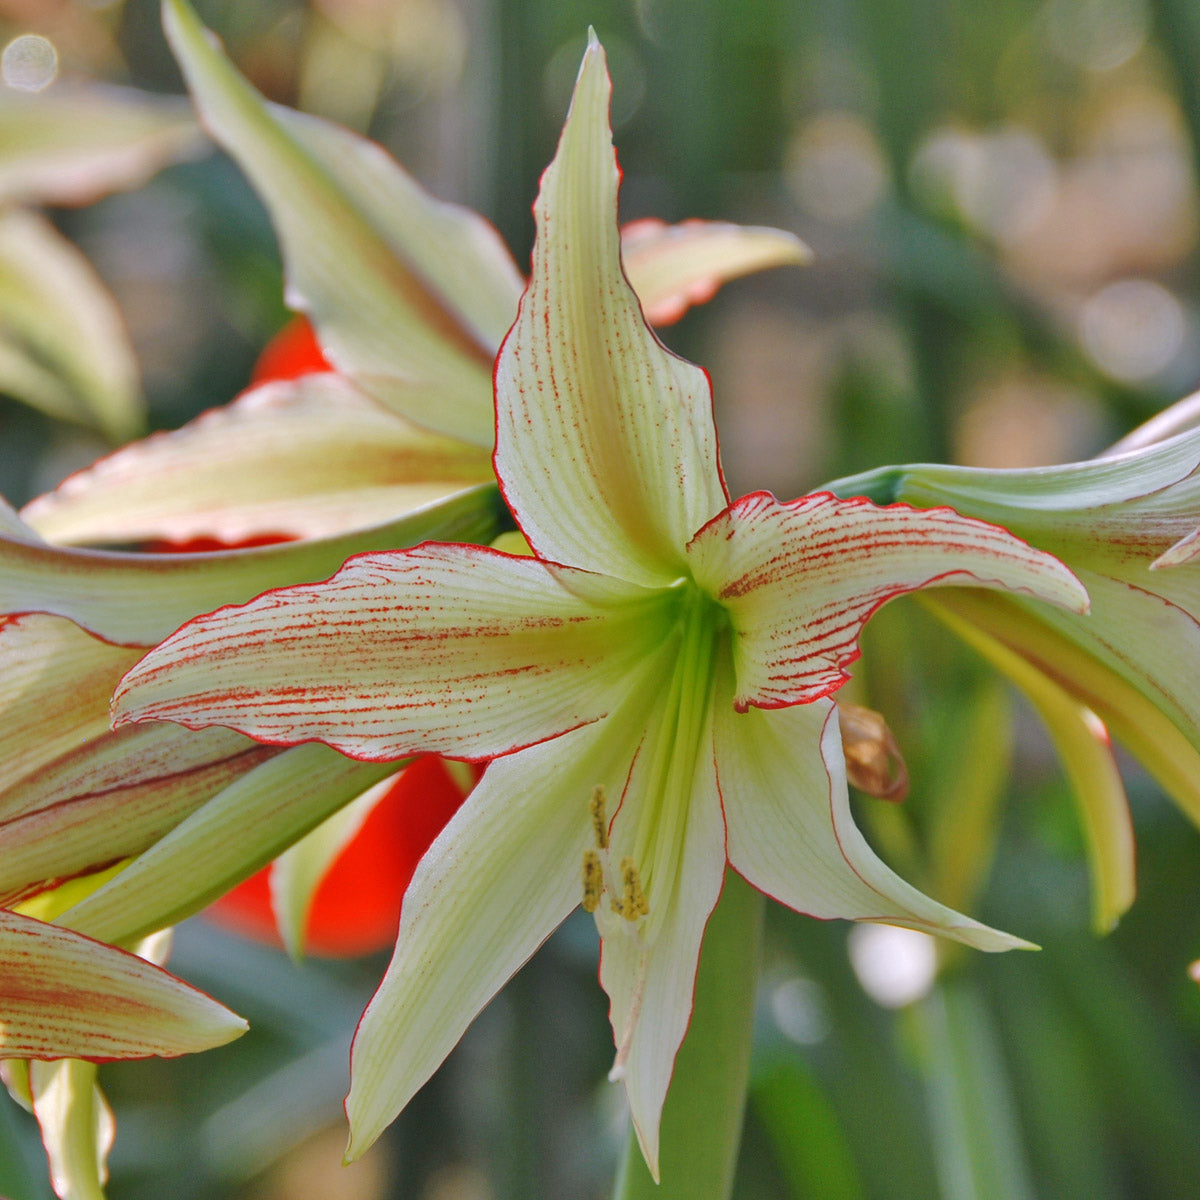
(1127, 525)
(653, 683)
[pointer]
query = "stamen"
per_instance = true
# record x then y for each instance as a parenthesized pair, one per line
(627, 896)
(593, 880)
(599, 818)
(633, 898)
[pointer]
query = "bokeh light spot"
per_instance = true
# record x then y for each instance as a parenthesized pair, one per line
(29, 63)
(836, 170)
(798, 1006)
(895, 966)
(1132, 328)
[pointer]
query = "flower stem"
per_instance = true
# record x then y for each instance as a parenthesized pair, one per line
(702, 1119)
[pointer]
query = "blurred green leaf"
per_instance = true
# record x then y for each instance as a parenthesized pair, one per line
(806, 1133)
(971, 1107)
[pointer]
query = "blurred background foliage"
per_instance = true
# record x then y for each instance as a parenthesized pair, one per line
(1003, 203)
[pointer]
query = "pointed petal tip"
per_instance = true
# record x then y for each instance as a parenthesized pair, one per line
(358, 1139)
(1071, 595)
(594, 59)
(121, 711)
(647, 1141)
(353, 1152)
(1186, 550)
(985, 938)
(236, 1026)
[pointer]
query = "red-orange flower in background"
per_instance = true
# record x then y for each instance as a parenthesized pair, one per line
(291, 353)
(356, 907)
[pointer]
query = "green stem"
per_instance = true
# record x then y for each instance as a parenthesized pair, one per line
(973, 1121)
(702, 1119)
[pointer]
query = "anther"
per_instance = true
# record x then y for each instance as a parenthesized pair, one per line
(593, 880)
(599, 818)
(633, 898)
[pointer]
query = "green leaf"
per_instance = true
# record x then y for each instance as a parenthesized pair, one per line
(972, 1117)
(806, 1133)
(966, 822)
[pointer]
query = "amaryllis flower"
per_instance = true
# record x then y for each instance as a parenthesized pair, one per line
(1126, 524)
(410, 297)
(653, 684)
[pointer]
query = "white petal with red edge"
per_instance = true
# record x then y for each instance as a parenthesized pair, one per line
(150, 757)
(76, 1123)
(605, 445)
(650, 980)
(302, 458)
(791, 834)
(63, 995)
(447, 649)
(54, 693)
(98, 820)
(800, 580)
(672, 267)
(499, 878)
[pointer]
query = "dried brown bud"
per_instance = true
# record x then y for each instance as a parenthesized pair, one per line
(874, 763)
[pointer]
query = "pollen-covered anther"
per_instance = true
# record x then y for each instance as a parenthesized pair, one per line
(593, 880)
(599, 811)
(632, 904)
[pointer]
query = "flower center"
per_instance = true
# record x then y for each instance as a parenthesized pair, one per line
(636, 879)
(649, 835)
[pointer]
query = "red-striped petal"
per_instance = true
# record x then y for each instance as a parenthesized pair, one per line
(800, 580)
